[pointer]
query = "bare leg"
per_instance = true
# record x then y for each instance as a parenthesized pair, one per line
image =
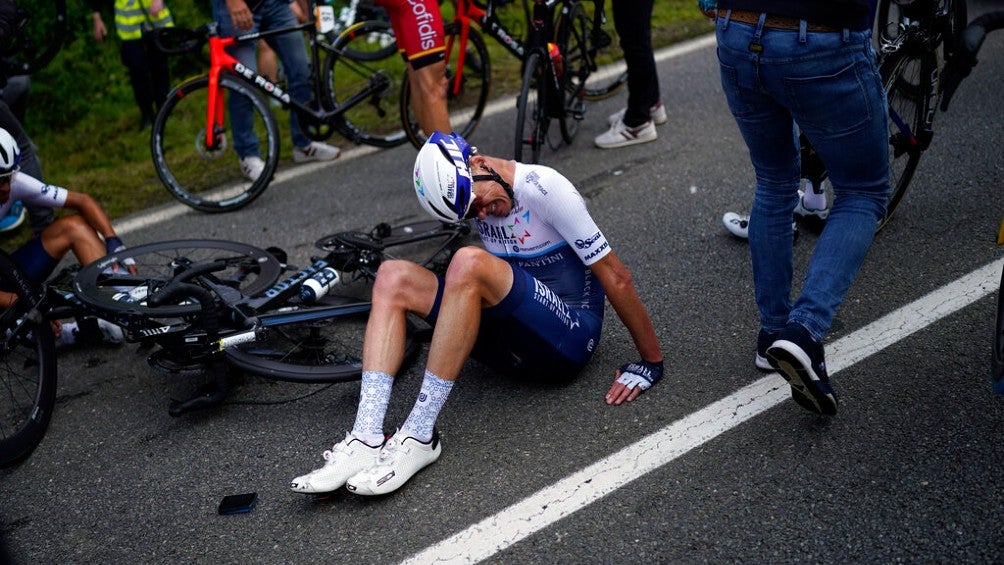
(71, 233)
(475, 280)
(428, 98)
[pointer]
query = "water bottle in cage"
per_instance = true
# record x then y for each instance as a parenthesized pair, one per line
(318, 285)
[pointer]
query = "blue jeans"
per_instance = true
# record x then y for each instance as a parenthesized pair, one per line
(272, 14)
(828, 85)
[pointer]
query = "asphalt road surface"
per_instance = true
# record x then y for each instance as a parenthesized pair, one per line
(713, 464)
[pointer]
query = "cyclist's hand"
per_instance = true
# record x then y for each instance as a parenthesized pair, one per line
(114, 245)
(632, 379)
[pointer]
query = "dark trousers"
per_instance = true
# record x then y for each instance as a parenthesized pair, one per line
(633, 22)
(148, 75)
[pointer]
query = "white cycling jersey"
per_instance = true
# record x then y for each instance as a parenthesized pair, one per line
(30, 190)
(550, 234)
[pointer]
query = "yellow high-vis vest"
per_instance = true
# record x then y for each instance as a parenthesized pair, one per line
(132, 16)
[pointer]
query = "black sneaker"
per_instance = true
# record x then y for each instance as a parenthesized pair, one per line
(764, 339)
(799, 359)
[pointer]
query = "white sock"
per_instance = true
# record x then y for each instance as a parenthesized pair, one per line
(812, 200)
(430, 401)
(374, 395)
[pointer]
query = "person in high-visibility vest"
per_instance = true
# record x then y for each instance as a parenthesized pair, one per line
(148, 72)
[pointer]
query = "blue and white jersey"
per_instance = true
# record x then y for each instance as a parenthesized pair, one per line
(30, 190)
(550, 233)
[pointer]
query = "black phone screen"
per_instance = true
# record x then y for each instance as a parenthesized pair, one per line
(238, 503)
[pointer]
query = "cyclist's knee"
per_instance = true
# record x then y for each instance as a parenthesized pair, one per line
(398, 281)
(469, 267)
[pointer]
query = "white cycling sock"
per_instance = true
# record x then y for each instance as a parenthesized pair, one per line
(427, 406)
(374, 395)
(67, 334)
(812, 200)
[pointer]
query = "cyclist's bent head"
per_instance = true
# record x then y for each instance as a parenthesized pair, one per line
(443, 177)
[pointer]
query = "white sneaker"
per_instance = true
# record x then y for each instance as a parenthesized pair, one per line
(739, 225)
(619, 135)
(657, 113)
(316, 151)
(252, 167)
(401, 457)
(345, 459)
(803, 211)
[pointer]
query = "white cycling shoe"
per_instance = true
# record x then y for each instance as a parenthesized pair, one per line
(401, 457)
(739, 225)
(345, 459)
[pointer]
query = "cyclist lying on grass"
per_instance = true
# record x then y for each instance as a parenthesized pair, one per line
(530, 306)
(78, 233)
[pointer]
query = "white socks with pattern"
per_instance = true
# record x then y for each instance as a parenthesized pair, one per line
(374, 395)
(427, 406)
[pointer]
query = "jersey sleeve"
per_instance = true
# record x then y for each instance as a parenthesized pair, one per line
(566, 210)
(33, 191)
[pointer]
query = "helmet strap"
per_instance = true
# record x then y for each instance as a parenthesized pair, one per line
(492, 175)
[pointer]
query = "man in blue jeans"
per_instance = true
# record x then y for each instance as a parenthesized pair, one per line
(809, 65)
(237, 17)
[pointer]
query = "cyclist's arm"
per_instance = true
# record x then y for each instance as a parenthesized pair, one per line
(619, 287)
(91, 211)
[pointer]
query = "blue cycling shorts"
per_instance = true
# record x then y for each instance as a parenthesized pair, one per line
(34, 260)
(532, 334)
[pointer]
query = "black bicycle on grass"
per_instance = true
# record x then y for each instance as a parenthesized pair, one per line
(208, 306)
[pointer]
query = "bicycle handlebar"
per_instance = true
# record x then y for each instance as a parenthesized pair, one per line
(964, 59)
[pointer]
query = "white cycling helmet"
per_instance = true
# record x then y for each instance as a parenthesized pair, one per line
(443, 178)
(10, 153)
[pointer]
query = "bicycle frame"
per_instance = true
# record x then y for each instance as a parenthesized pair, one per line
(221, 61)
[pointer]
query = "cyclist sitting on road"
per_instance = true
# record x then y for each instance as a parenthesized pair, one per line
(531, 305)
(78, 233)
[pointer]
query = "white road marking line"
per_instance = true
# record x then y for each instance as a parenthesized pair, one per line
(543, 508)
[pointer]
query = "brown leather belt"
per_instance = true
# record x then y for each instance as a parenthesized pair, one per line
(777, 22)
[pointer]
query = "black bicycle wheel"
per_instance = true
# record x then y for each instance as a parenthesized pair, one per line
(209, 177)
(27, 367)
(465, 97)
(106, 286)
(608, 72)
(324, 350)
(531, 111)
(572, 35)
(37, 36)
(906, 92)
(362, 54)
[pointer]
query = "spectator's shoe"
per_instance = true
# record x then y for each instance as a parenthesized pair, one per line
(619, 135)
(401, 457)
(316, 151)
(657, 113)
(799, 359)
(764, 339)
(252, 167)
(345, 459)
(804, 212)
(739, 225)
(14, 218)
(90, 332)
